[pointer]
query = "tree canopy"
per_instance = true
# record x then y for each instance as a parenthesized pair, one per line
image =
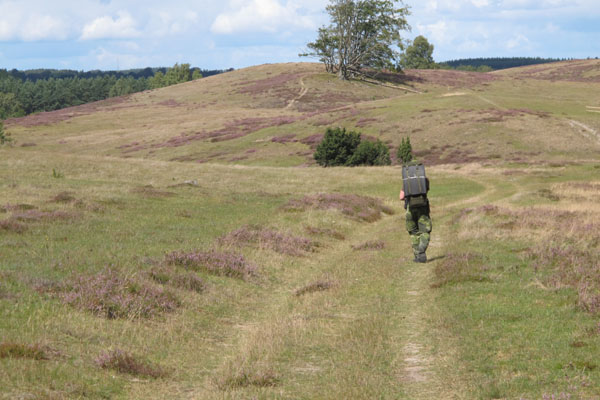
(362, 34)
(418, 55)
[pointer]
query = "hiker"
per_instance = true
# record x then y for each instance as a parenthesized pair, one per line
(414, 193)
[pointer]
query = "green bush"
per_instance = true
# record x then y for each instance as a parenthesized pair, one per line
(371, 153)
(405, 151)
(337, 147)
(4, 137)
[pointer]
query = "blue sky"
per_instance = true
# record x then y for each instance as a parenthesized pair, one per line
(121, 34)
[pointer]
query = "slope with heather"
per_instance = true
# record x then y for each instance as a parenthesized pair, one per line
(275, 115)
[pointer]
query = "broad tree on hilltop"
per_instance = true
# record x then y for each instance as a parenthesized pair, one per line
(362, 34)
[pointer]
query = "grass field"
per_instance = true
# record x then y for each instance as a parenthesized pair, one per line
(129, 269)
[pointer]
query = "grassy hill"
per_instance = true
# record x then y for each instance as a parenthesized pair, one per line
(274, 114)
(158, 245)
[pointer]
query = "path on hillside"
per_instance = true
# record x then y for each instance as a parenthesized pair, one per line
(303, 92)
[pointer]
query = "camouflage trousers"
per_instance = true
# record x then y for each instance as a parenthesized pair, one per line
(418, 225)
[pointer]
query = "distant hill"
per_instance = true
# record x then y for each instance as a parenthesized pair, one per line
(500, 62)
(276, 114)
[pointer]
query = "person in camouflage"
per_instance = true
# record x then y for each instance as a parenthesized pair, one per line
(418, 225)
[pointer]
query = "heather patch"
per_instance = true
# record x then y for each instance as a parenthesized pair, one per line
(264, 238)
(111, 295)
(187, 280)
(362, 208)
(370, 245)
(63, 197)
(451, 78)
(313, 230)
(214, 262)
(458, 268)
(318, 286)
(126, 363)
(18, 207)
(21, 350)
(54, 117)
(233, 130)
(10, 225)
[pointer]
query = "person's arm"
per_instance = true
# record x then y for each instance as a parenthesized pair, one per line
(401, 194)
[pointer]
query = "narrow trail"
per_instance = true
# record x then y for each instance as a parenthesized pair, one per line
(303, 92)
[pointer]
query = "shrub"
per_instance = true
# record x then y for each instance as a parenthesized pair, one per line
(405, 151)
(124, 362)
(337, 147)
(370, 153)
(362, 208)
(111, 295)
(214, 262)
(269, 239)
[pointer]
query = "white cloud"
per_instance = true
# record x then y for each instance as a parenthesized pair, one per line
(518, 41)
(260, 16)
(124, 26)
(19, 23)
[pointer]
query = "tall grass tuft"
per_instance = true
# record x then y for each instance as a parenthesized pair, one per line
(20, 350)
(126, 363)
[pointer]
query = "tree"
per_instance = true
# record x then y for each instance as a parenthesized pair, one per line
(418, 55)
(178, 74)
(10, 106)
(337, 147)
(405, 151)
(371, 153)
(4, 137)
(196, 74)
(362, 34)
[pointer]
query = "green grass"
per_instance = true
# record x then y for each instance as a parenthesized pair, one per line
(487, 317)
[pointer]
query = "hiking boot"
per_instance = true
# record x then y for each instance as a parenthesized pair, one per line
(421, 258)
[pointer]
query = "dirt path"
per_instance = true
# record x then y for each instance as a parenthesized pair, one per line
(303, 92)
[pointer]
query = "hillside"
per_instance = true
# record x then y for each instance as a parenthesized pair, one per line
(275, 115)
(158, 246)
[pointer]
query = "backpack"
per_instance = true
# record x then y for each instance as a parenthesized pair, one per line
(415, 184)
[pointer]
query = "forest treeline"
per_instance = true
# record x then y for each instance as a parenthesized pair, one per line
(495, 63)
(26, 92)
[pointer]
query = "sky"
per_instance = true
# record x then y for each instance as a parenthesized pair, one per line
(123, 34)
